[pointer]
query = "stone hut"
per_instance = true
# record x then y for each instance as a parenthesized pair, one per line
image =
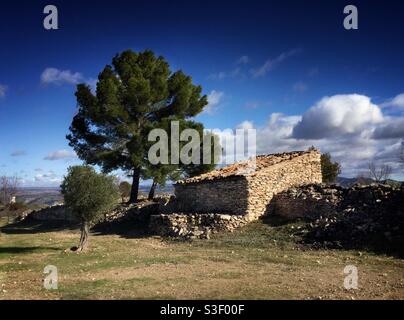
(245, 189)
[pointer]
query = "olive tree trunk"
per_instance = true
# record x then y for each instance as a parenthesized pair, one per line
(84, 236)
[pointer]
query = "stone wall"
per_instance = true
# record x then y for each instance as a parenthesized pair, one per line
(230, 197)
(227, 196)
(52, 213)
(138, 212)
(369, 217)
(190, 226)
(320, 200)
(308, 201)
(249, 194)
(264, 184)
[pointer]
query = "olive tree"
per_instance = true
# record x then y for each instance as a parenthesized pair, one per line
(89, 195)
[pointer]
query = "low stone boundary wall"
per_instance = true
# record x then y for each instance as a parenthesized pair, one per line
(139, 212)
(308, 201)
(53, 213)
(194, 225)
(319, 200)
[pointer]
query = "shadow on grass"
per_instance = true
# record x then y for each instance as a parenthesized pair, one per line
(19, 250)
(344, 235)
(35, 226)
(125, 229)
(275, 221)
(348, 237)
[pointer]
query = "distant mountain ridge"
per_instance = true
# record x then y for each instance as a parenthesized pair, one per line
(348, 182)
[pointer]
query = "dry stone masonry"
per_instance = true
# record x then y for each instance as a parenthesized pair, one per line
(235, 192)
(51, 213)
(193, 225)
(139, 212)
(321, 200)
(363, 216)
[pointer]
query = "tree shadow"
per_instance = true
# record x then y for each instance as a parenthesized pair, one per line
(125, 229)
(276, 221)
(347, 236)
(21, 250)
(134, 224)
(271, 218)
(134, 227)
(30, 226)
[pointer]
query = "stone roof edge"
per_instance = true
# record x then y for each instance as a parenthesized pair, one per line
(237, 176)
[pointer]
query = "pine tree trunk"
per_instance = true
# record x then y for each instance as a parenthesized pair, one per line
(135, 186)
(84, 236)
(152, 191)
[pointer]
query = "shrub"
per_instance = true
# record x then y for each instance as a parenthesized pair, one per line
(124, 189)
(330, 170)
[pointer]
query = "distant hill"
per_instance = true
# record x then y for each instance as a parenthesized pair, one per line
(39, 196)
(51, 196)
(348, 182)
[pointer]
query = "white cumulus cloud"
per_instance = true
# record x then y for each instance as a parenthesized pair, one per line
(338, 115)
(391, 129)
(350, 127)
(396, 102)
(61, 154)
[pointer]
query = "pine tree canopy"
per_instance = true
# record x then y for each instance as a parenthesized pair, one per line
(133, 96)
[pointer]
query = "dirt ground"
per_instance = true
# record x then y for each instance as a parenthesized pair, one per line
(260, 261)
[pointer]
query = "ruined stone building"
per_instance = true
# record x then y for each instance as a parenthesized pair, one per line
(228, 198)
(241, 189)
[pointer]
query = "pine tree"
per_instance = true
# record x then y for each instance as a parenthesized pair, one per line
(133, 95)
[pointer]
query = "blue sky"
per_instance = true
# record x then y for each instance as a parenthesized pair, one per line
(287, 68)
